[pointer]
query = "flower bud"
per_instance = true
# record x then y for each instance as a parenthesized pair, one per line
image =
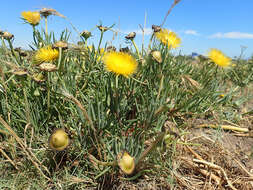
(156, 55)
(126, 162)
(59, 140)
(86, 34)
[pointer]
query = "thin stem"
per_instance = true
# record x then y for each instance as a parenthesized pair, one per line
(46, 31)
(48, 94)
(12, 51)
(136, 48)
(60, 67)
(150, 41)
(100, 41)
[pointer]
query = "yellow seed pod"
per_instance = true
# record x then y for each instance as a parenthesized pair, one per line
(126, 162)
(59, 140)
(157, 56)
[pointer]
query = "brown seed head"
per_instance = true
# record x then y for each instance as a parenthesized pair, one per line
(45, 12)
(125, 49)
(111, 48)
(156, 28)
(130, 36)
(102, 28)
(60, 44)
(7, 35)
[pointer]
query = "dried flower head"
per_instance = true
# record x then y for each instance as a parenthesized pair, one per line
(111, 48)
(156, 28)
(59, 140)
(49, 67)
(31, 17)
(102, 28)
(125, 49)
(130, 36)
(219, 58)
(126, 162)
(46, 54)
(86, 34)
(20, 72)
(21, 52)
(168, 38)
(45, 12)
(60, 44)
(7, 35)
(120, 63)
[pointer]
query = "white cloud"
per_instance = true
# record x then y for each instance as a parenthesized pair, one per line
(233, 35)
(191, 32)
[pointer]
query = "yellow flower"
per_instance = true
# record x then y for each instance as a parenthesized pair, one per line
(32, 18)
(120, 63)
(46, 54)
(219, 58)
(168, 38)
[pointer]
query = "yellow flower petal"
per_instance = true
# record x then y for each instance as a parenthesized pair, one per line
(32, 18)
(120, 63)
(168, 38)
(46, 54)
(219, 58)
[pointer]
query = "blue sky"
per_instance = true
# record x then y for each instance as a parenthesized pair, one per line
(201, 24)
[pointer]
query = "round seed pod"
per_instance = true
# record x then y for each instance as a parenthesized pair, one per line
(126, 162)
(59, 140)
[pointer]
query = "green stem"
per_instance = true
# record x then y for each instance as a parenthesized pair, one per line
(117, 93)
(85, 43)
(136, 48)
(100, 41)
(48, 94)
(3, 44)
(46, 27)
(60, 66)
(150, 41)
(12, 51)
